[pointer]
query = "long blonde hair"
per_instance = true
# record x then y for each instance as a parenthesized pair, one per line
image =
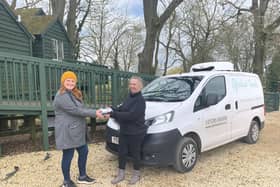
(76, 92)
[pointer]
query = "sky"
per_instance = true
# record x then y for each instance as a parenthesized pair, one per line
(133, 8)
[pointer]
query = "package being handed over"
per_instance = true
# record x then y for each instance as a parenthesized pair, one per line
(106, 110)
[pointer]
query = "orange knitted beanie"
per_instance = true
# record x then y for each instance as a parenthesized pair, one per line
(68, 75)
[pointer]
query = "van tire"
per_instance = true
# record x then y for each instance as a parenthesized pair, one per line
(186, 148)
(253, 134)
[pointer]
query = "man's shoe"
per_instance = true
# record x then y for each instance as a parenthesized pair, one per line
(86, 180)
(69, 184)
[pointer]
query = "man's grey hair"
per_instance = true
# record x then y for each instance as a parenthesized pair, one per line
(139, 79)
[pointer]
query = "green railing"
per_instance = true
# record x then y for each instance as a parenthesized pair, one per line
(271, 100)
(28, 85)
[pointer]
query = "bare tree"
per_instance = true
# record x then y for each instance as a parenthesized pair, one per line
(170, 32)
(13, 4)
(58, 8)
(116, 52)
(236, 41)
(154, 24)
(76, 16)
(96, 42)
(130, 45)
(106, 29)
(31, 3)
(28, 3)
(198, 28)
(93, 45)
(260, 29)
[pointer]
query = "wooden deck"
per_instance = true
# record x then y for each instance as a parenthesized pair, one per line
(28, 86)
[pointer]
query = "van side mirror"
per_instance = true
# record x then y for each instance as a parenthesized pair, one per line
(211, 99)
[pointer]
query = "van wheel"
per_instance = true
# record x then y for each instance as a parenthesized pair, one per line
(253, 134)
(186, 155)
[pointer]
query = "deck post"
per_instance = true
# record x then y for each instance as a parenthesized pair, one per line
(114, 88)
(29, 121)
(92, 126)
(4, 124)
(0, 149)
(43, 99)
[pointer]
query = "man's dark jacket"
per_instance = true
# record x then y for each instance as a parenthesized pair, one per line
(131, 115)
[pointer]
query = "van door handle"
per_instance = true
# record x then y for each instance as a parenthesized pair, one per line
(227, 107)
(236, 105)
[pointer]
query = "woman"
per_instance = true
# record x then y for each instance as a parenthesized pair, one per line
(70, 127)
(131, 118)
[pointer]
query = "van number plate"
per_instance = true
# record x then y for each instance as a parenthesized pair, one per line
(115, 140)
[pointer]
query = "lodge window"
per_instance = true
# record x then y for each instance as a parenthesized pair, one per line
(58, 49)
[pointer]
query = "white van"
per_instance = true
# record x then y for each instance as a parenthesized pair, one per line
(194, 112)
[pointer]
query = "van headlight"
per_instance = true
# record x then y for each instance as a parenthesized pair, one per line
(163, 118)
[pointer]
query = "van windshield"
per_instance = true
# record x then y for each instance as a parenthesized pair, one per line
(171, 89)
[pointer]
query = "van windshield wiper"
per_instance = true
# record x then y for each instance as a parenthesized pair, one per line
(159, 92)
(155, 98)
(163, 98)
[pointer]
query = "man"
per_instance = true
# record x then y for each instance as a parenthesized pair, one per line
(131, 118)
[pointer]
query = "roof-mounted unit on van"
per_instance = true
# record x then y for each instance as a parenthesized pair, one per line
(212, 66)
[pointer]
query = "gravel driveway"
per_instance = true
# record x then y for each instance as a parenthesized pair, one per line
(235, 164)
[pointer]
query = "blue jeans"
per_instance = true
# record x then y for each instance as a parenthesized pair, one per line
(67, 158)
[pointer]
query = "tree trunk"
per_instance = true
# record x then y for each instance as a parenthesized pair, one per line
(71, 21)
(185, 66)
(154, 25)
(58, 8)
(116, 57)
(260, 40)
(156, 55)
(258, 9)
(13, 4)
(146, 56)
(167, 50)
(259, 56)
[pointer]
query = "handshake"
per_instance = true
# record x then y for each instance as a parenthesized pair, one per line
(103, 113)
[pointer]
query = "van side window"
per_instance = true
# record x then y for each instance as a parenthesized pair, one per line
(216, 86)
